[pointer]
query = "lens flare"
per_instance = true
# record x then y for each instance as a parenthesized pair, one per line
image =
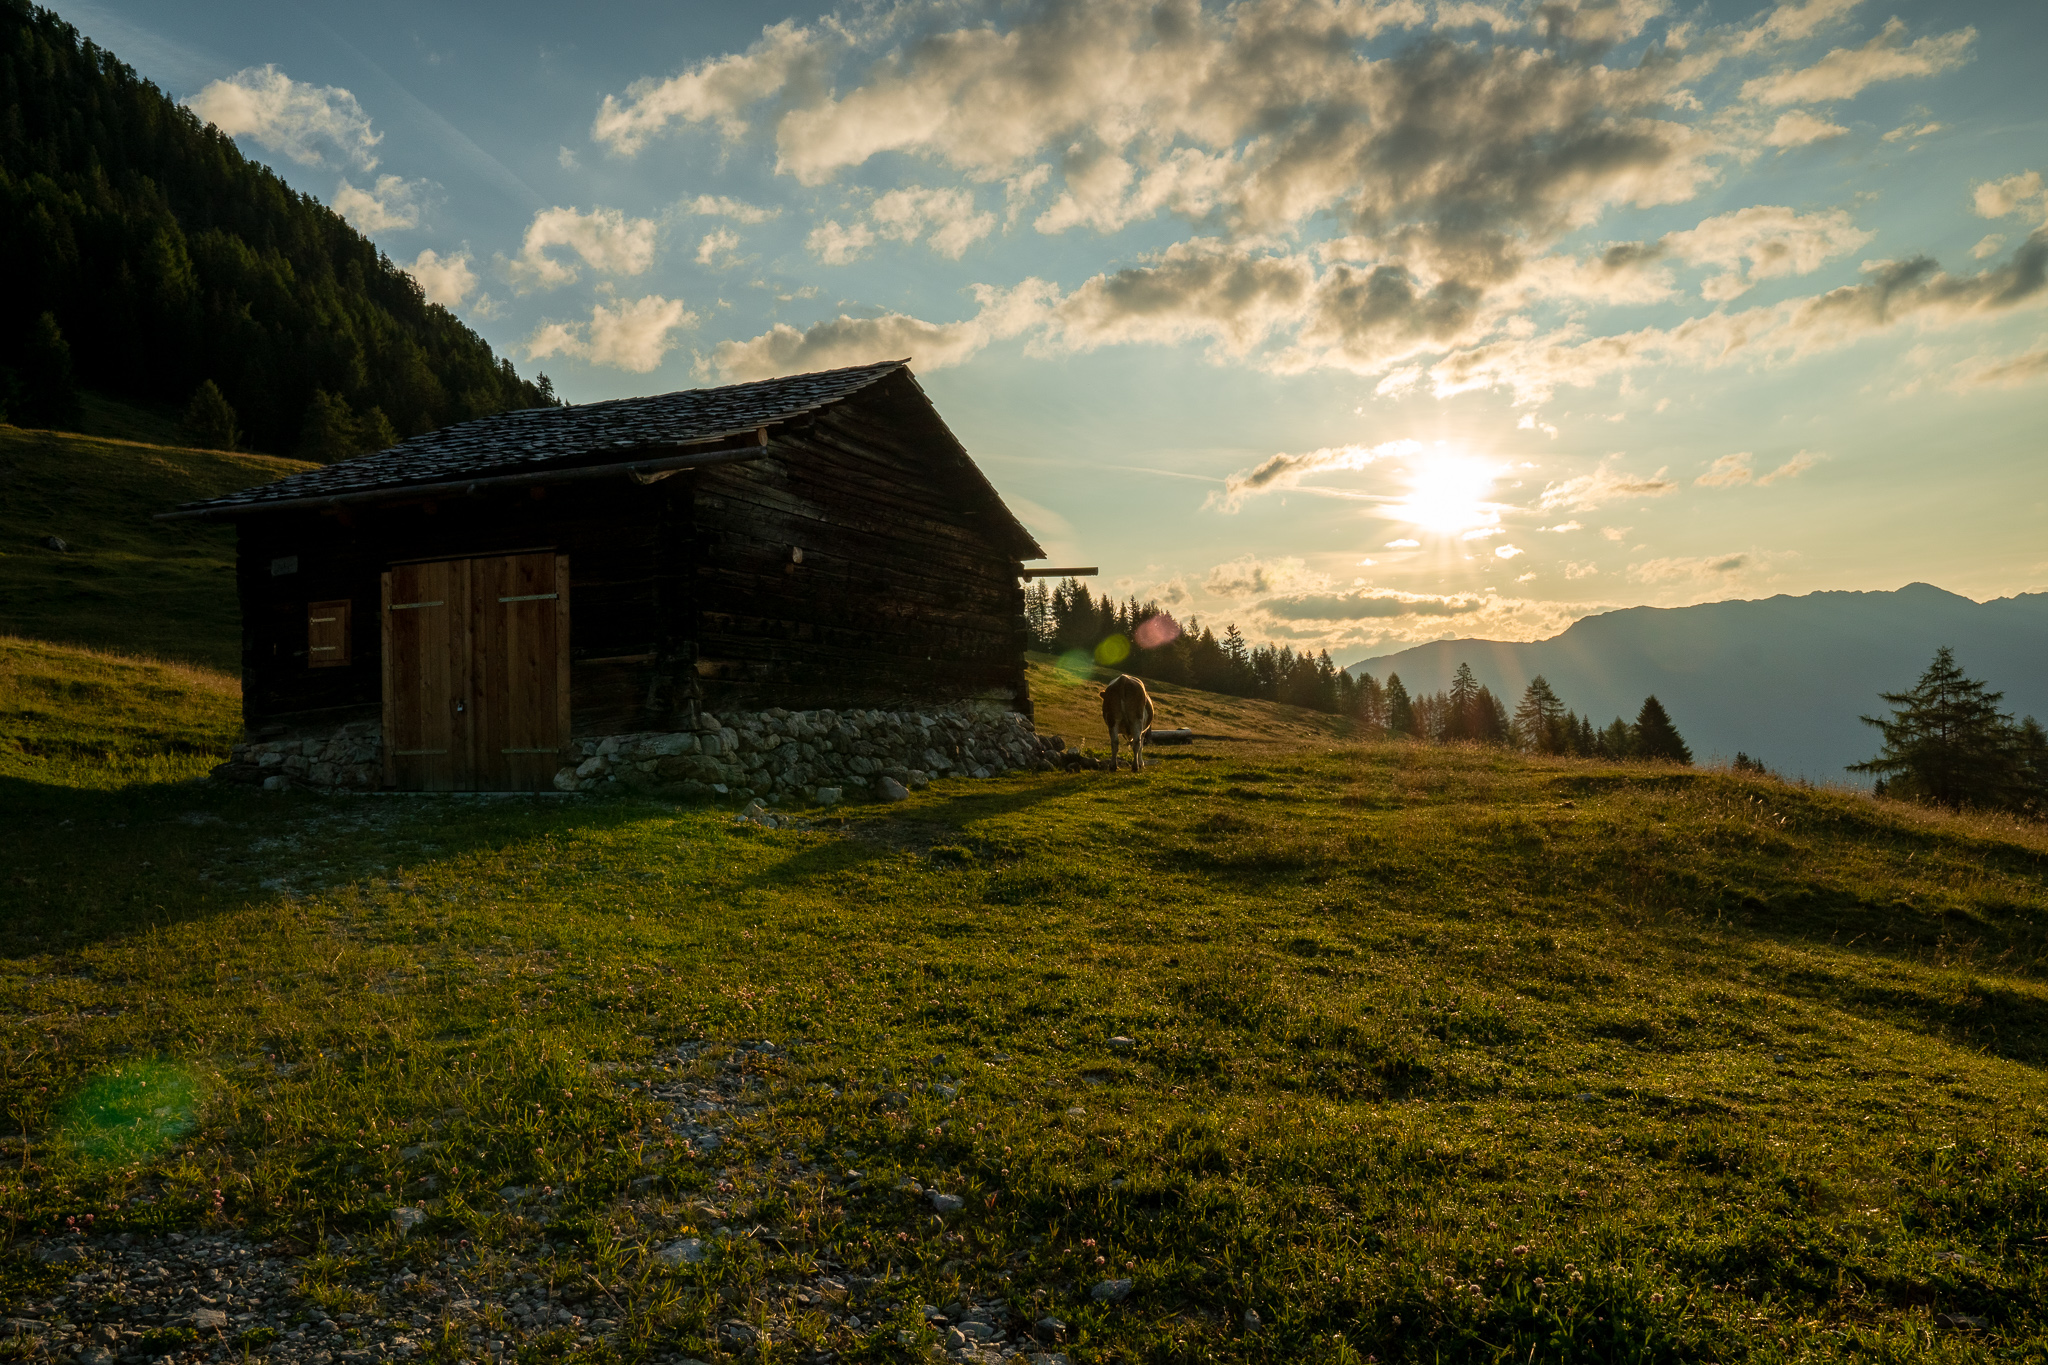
(131, 1112)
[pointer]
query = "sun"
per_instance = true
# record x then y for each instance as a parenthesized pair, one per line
(1448, 494)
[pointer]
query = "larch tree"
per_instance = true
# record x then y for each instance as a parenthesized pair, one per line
(1540, 717)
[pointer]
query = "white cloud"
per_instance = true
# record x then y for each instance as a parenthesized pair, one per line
(314, 125)
(1604, 484)
(1799, 128)
(1564, 527)
(716, 90)
(1845, 72)
(783, 349)
(445, 280)
(1764, 242)
(1194, 290)
(2013, 194)
(565, 158)
(1449, 169)
(1613, 532)
(1700, 569)
(835, 244)
(719, 249)
(632, 336)
(1908, 130)
(605, 239)
(1250, 576)
(1792, 468)
(1894, 292)
(1988, 246)
(1507, 551)
(391, 203)
(1284, 471)
(1372, 604)
(1529, 423)
(1791, 22)
(2021, 369)
(1727, 472)
(723, 206)
(949, 216)
(1403, 544)
(1575, 569)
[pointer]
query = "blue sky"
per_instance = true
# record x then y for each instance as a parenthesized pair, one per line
(1355, 323)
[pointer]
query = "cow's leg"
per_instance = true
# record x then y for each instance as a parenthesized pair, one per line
(1113, 735)
(1138, 752)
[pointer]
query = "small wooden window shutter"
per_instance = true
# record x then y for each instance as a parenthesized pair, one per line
(327, 634)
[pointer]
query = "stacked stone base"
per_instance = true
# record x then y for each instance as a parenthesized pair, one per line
(350, 758)
(795, 754)
(789, 755)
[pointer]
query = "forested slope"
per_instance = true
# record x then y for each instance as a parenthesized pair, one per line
(166, 258)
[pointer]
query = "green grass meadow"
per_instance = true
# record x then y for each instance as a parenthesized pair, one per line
(1437, 1054)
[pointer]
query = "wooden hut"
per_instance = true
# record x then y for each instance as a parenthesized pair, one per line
(468, 608)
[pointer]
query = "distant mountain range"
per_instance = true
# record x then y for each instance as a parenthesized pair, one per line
(1782, 679)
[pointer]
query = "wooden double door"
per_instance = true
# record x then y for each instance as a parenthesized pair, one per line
(476, 673)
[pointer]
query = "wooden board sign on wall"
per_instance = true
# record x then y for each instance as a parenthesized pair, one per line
(327, 634)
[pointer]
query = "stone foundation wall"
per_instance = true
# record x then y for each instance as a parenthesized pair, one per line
(793, 754)
(775, 753)
(350, 758)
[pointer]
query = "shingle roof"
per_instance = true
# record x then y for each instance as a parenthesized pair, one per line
(510, 442)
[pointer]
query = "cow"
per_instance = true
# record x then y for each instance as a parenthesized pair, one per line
(1127, 710)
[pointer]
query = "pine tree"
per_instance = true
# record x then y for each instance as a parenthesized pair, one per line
(1370, 704)
(1946, 741)
(1037, 612)
(2030, 752)
(1492, 726)
(1539, 720)
(1617, 741)
(1461, 720)
(36, 383)
(1656, 737)
(1400, 710)
(210, 421)
(328, 433)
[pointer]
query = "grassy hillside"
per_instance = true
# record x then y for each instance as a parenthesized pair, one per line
(75, 717)
(1433, 1054)
(126, 582)
(1069, 703)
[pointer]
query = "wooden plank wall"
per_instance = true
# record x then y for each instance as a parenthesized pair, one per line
(902, 596)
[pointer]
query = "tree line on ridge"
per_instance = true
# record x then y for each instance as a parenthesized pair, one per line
(1142, 639)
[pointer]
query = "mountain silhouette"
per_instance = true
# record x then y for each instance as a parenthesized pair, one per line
(1782, 679)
